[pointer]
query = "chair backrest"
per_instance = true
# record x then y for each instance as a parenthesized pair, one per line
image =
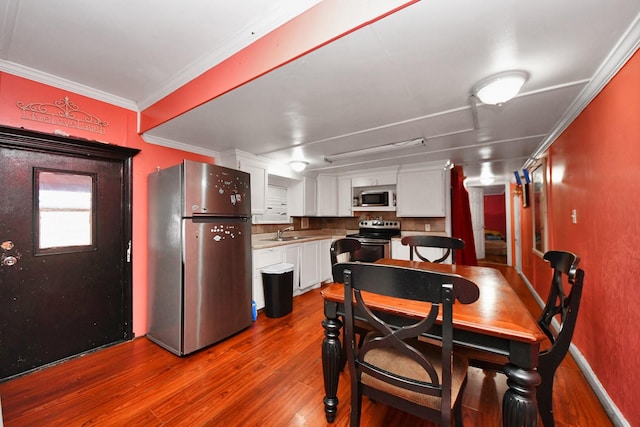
(439, 289)
(451, 244)
(342, 246)
(561, 305)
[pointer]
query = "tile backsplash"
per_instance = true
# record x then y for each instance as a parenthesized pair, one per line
(351, 223)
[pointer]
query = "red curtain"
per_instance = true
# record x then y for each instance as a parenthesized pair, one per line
(461, 218)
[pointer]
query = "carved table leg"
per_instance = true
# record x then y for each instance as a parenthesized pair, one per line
(331, 360)
(518, 404)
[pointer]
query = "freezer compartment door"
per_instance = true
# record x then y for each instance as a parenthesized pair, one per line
(217, 280)
(214, 190)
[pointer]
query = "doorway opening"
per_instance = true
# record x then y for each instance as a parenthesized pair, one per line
(495, 227)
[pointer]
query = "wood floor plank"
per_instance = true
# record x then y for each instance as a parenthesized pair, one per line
(267, 375)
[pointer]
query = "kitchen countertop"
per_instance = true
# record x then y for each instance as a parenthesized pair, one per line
(264, 240)
(420, 233)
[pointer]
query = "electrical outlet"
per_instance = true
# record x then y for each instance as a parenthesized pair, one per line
(427, 227)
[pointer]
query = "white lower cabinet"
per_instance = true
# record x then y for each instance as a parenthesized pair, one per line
(309, 265)
(311, 261)
(292, 256)
(325, 260)
(263, 258)
(315, 264)
(400, 251)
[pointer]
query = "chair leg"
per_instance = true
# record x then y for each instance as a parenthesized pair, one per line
(457, 414)
(356, 405)
(544, 396)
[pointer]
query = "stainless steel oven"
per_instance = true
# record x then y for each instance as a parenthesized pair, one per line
(375, 238)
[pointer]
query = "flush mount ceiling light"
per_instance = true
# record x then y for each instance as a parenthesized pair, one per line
(298, 165)
(378, 149)
(501, 87)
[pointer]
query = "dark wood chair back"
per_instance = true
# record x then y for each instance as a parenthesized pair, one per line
(451, 244)
(342, 246)
(562, 304)
(392, 366)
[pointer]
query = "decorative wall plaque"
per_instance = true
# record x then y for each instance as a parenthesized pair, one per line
(62, 112)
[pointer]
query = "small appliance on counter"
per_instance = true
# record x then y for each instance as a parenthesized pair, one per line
(199, 255)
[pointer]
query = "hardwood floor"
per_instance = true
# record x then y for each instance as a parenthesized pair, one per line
(268, 375)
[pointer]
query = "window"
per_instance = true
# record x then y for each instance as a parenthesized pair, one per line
(539, 204)
(64, 211)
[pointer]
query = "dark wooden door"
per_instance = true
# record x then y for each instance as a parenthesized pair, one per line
(65, 277)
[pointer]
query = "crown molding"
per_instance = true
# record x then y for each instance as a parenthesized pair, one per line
(617, 58)
(60, 83)
(169, 143)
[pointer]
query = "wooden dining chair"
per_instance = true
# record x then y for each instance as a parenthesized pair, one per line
(392, 366)
(451, 244)
(348, 246)
(557, 321)
(342, 246)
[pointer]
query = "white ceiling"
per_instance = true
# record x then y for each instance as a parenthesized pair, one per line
(405, 76)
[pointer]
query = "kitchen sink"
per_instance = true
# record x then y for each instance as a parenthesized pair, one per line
(284, 239)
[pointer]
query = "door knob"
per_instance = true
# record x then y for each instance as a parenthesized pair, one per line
(6, 259)
(9, 260)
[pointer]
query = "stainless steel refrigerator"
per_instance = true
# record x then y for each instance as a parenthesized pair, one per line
(199, 273)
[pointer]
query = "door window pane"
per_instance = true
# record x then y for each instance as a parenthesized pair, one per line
(65, 211)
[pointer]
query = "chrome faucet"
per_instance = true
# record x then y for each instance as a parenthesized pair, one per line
(279, 232)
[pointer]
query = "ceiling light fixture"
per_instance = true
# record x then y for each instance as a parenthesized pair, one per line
(378, 149)
(298, 165)
(486, 175)
(501, 87)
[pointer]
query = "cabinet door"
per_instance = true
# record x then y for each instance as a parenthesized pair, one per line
(377, 177)
(345, 197)
(292, 256)
(324, 259)
(258, 174)
(309, 265)
(327, 195)
(310, 196)
(263, 258)
(301, 198)
(421, 193)
(398, 250)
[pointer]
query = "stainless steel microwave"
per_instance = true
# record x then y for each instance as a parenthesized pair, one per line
(377, 198)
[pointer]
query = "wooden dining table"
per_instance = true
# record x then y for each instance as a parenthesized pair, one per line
(498, 322)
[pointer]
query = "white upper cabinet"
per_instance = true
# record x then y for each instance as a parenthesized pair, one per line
(422, 193)
(327, 195)
(374, 177)
(257, 168)
(302, 197)
(345, 197)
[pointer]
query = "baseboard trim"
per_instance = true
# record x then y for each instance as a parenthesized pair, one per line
(609, 406)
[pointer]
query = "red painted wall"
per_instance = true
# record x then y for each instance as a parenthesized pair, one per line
(495, 213)
(121, 130)
(594, 167)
